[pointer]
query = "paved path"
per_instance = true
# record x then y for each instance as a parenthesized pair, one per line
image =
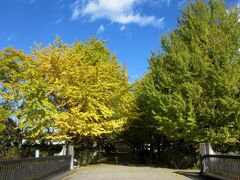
(121, 172)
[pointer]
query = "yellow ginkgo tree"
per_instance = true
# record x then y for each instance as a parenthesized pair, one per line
(11, 68)
(71, 91)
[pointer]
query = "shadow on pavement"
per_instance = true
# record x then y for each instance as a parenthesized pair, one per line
(193, 175)
(128, 162)
(126, 159)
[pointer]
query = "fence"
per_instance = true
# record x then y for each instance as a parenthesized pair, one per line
(34, 168)
(221, 166)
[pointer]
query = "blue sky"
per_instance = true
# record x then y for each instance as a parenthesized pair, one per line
(131, 27)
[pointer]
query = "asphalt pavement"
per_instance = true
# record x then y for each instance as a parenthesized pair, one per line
(127, 172)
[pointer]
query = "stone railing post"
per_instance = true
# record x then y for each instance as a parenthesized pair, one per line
(63, 152)
(71, 152)
(37, 153)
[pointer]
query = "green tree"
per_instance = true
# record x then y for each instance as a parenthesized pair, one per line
(143, 126)
(196, 91)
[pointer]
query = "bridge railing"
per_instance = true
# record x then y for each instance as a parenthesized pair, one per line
(221, 166)
(34, 168)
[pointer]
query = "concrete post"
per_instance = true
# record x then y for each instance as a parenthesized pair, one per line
(37, 153)
(205, 148)
(71, 152)
(63, 152)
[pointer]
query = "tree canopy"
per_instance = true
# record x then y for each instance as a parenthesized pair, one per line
(195, 89)
(191, 91)
(68, 91)
(10, 68)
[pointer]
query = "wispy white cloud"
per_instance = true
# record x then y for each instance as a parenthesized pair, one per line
(101, 29)
(58, 21)
(134, 78)
(117, 11)
(122, 28)
(10, 38)
(76, 9)
(158, 2)
(129, 35)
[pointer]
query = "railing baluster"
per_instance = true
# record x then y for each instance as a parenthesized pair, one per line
(221, 166)
(33, 168)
